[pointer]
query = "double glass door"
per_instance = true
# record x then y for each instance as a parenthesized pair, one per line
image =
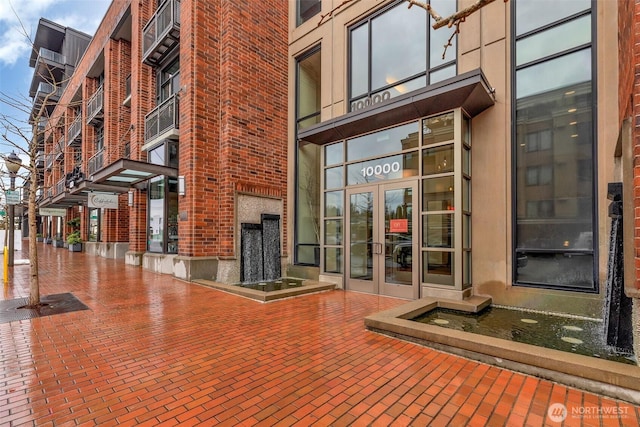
(381, 240)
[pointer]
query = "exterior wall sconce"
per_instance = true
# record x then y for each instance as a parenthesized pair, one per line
(130, 198)
(181, 186)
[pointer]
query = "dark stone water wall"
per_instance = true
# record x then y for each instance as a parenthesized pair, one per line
(260, 250)
(618, 307)
(271, 246)
(251, 260)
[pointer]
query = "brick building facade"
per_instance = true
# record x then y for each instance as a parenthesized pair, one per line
(178, 111)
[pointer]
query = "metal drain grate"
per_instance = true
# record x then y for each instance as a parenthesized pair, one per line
(52, 304)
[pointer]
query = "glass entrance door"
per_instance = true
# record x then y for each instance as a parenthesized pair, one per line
(382, 241)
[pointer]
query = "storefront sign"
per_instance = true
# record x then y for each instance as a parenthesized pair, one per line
(52, 212)
(399, 226)
(103, 200)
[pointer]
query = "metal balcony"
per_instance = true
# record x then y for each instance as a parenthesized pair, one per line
(50, 59)
(162, 122)
(40, 159)
(47, 91)
(96, 162)
(60, 187)
(58, 151)
(95, 108)
(49, 160)
(74, 135)
(161, 33)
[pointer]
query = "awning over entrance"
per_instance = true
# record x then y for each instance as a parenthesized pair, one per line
(121, 175)
(469, 91)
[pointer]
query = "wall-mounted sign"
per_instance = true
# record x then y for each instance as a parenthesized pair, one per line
(52, 212)
(399, 226)
(103, 200)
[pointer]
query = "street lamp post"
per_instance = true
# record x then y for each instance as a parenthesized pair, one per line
(13, 163)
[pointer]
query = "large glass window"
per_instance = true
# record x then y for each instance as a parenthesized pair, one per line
(307, 219)
(306, 9)
(554, 145)
(383, 66)
(168, 81)
(162, 233)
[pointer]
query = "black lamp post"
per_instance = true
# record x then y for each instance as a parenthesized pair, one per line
(13, 163)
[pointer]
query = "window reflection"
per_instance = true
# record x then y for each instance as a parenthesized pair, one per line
(535, 14)
(403, 55)
(389, 54)
(387, 141)
(557, 39)
(553, 74)
(554, 146)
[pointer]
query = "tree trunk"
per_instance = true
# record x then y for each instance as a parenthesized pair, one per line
(34, 283)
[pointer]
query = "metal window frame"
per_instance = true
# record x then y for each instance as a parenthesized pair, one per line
(593, 12)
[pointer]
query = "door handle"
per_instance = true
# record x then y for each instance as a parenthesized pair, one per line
(377, 248)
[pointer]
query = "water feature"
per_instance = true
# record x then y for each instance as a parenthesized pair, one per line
(618, 307)
(260, 250)
(273, 285)
(565, 333)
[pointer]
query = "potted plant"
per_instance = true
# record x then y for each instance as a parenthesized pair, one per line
(74, 242)
(58, 242)
(39, 237)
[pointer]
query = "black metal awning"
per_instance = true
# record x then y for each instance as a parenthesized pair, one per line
(469, 91)
(123, 174)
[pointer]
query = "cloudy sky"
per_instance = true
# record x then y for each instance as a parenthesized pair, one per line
(20, 16)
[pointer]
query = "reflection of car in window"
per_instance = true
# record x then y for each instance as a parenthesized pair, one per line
(399, 247)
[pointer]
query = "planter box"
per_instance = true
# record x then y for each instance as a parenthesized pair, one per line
(58, 243)
(39, 239)
(75, 247)
(47, 241)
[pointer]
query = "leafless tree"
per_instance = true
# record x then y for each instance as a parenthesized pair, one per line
(21, 132)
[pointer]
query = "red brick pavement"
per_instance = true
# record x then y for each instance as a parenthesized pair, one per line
(153, 350)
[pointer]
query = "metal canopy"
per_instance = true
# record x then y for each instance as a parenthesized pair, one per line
(469, 91)
(126, 173)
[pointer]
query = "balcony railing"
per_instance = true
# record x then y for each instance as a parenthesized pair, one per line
(96, 162)
(60, 186)
(40, 159)
(45, 89)
(75, 131)
(162, 32)
(95, 107)
(49, 160)
(58, 151)
(50, 57)
(162, 121)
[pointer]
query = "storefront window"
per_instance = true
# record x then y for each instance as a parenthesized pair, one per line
(162, 234)
(308, 174)
(554, 146)
(94, 225)
(156, 215)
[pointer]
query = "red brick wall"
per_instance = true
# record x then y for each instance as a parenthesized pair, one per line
(636, 134)
(233, 115)
(629, 92)
(142, 96)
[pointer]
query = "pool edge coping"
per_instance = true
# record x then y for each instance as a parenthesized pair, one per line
(607, 377)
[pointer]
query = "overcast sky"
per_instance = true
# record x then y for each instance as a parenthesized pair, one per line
(15, 73)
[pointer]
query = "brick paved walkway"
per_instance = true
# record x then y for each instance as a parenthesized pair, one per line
(153, 350)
